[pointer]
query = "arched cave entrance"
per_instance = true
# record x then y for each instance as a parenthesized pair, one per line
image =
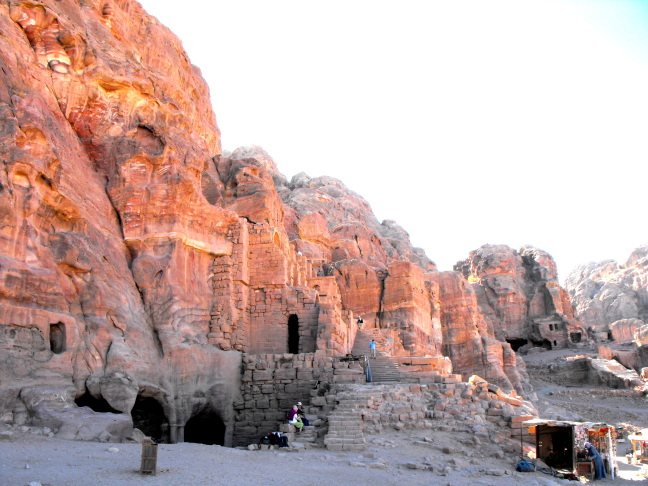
(57, 337)
(149, 417)
(205, 427)
(516, 343)
(575, 337)
(293, 334)
(95, 404)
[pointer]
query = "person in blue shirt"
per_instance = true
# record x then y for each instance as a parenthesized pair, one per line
(372, 348)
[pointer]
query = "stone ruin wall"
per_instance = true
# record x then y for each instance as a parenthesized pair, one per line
(262, 287)
(273, 383)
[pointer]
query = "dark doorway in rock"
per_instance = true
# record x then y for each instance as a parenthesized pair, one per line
(542, 344)
(96, 404)
(205, 427)
(516, 343)
(293, 334)
(575, 337)
(57, 338)
(556, 446)
(149, 417)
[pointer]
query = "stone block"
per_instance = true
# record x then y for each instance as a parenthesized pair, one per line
(318, 401)
(262, 403)
(517, 419)
(305, 375)
(285, 374)
(493, 412)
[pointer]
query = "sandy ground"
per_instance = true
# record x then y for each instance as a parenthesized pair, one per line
(401, 458)
(411, 457)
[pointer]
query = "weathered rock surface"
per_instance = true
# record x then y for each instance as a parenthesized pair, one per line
(140, 267)
(611, 299)
(605, 292)
(106, 139)
(520, 298)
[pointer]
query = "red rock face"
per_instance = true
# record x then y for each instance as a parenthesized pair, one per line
(138, 263)
(520, 297)
(107, 237)
(466, 339)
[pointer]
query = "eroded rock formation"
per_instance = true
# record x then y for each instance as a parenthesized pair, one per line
(106, 235)
(520, 298)
(140, 267)
(612, 300)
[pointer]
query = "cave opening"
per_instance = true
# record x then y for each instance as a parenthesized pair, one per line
(516, 343)
(575, 337)
(293, 334)
(542, 344)
(205, 427)
(57, 337)
(95, 404)
(148, 416)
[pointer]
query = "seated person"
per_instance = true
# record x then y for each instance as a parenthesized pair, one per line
(294, 418)
(302, 414)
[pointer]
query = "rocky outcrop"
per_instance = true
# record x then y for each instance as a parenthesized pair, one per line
(606, 292)
(520, 298)
(106, 233)
(606, 372)
(141, 268)
(611, 299)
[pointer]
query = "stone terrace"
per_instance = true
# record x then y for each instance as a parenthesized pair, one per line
(334, 390)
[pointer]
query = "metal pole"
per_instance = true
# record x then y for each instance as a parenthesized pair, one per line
(522, 446)
(612, 456)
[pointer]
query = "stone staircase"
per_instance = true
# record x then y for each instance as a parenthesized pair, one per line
(364, 337)
(345, 432)
(310, 436)
(384, 369)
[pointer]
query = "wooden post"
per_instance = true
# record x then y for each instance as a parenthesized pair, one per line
(149, 457)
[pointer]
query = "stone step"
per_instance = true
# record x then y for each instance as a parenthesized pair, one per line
(364, 337)
(384, 369)
(345, 440)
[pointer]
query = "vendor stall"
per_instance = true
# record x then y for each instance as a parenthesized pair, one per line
(560, 444)
(639, 446)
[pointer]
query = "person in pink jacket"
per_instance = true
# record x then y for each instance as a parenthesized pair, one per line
(294, 418)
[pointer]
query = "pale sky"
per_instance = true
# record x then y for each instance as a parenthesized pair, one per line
(467, 122)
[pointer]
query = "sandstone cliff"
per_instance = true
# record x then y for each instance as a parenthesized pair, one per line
(107, 238)
(141, 267)
(611, 299)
